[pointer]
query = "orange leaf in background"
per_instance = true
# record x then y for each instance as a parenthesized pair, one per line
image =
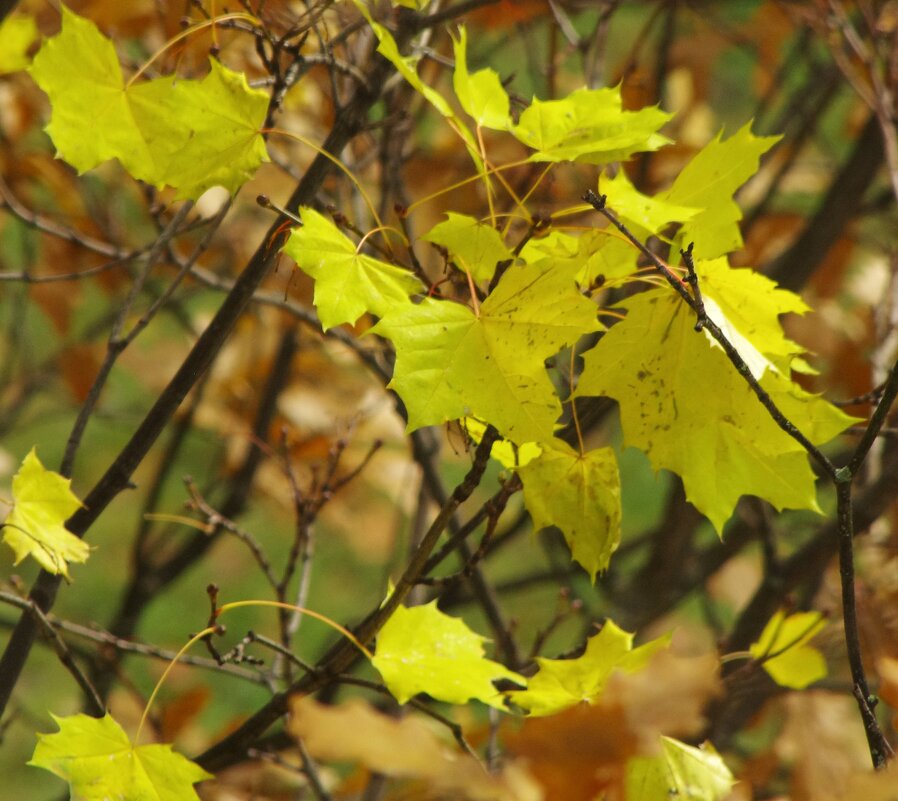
(508, 12)
(577, 754)
(79, 365)
(824, 741)
(180, 711)
(583, 751)
(405, 748)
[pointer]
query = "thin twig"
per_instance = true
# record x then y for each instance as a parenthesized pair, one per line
(598, 203)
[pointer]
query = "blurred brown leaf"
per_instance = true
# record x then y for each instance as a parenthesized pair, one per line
(404, 748)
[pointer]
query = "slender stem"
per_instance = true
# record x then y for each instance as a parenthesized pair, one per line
(681, 287)
(889, 392)
(878, 745)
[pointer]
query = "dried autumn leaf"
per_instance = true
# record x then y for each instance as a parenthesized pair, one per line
(405, 748)
(589, 748)
(42, 502)
(95, 756)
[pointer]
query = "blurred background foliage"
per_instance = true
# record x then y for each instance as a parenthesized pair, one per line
(820, 217)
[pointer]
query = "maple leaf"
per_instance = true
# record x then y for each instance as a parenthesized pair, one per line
(747, 306)
(589, 125)
(596, 252)
(644, 214)
(17, 33)
(407, 68)
(481, 94)
(43, 501)
(422, 650)
(681, 771)
(452, 363)
(784, 651)
(96, 758)
(190, 135)
(347, 283)
(708, 182)
(580, 494)
(400, 748)
(562, 683)
(474, 245)
(506, 453)
(683, 403)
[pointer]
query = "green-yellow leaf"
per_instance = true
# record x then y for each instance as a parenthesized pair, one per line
(506, 453)
(684, 404)
(407, 66)
(421, 650)
(562, 683)
(17, 33)
(580, 494)
(747, 307)
(187, 134)
(708, 182)
(42, 502)
(589, 125)
(481, 94)
(643, 214)
(347, 283)
(598, 254)
(473, 245)
(96, 758)
(681, 772)
(784, 650)
(452, 363)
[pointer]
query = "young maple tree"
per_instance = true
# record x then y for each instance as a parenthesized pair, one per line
(423, 459)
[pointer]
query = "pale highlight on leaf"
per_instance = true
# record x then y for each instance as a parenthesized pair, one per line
(784, 650)
(562, 683)
(580, 494)
(422, 650)
(406, 748)
(747, 306)
(187, 134)
(96, 758)
(43, 501)
(453, 363)
(684, 404)
(347, 283)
